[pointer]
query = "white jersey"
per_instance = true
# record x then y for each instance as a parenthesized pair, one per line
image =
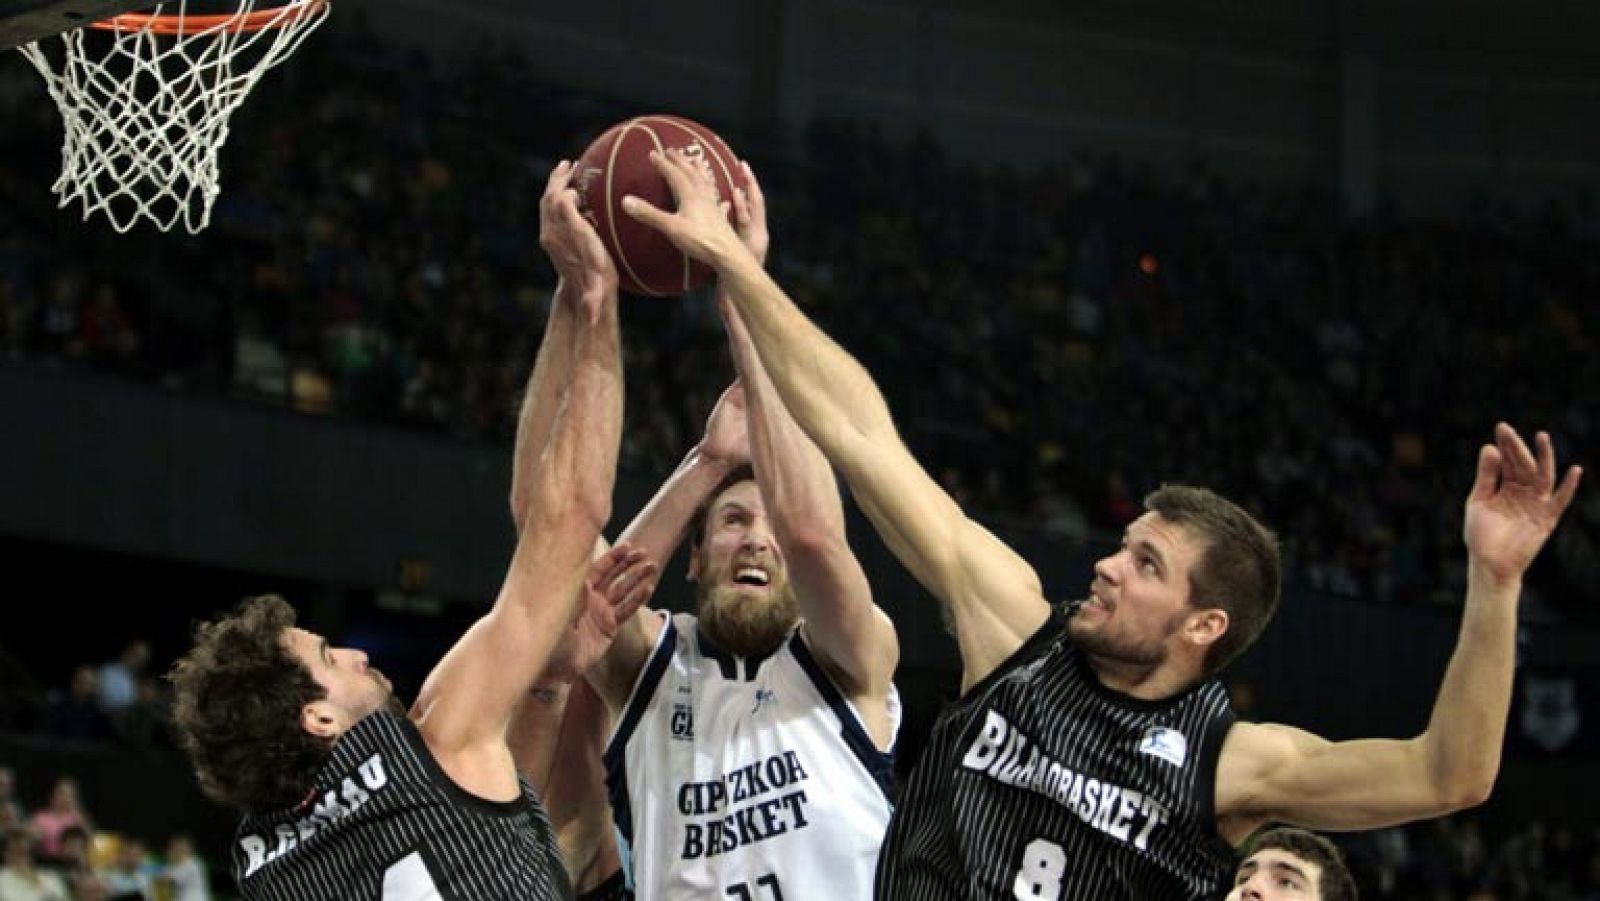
(749, 779)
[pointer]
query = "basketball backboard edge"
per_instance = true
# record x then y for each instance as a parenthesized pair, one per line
(22, 21)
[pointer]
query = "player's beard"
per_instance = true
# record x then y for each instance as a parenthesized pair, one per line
(744, 625)
(391, 700)
(396, 706)
(1104, 643)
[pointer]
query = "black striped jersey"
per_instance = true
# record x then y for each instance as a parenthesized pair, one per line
(1040, 782)
(385, 823)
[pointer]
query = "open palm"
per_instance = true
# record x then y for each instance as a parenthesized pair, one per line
(1515, 502)
(618, 583)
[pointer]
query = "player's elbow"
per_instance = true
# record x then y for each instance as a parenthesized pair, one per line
(1461, 784)
(1467, 793)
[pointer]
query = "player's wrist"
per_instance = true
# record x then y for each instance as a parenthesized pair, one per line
(1495, 577)
(713, 462)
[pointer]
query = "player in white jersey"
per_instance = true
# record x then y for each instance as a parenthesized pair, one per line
(750, 751)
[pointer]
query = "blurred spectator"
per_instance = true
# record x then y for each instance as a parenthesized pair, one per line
(126, 879)
(10, 809)
(64, 811)
(119, 678)
(185, 872)
(77, 715)
(21, 879)
(76, 865)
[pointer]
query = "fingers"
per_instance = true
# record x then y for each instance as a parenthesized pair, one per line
(1547, 459)
(1515, 453)
(741, 209)
(758, 198)
(679, 174)
(642, 589)
(647, 212)
(639, 572)
(684, 177)
(1488, 477)
(605, 568)
(560, 177)
(567, 208)
(1569, 487)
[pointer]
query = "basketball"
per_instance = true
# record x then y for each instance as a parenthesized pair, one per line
(618, 164)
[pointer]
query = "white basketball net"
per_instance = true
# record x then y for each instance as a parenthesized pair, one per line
(146, 112)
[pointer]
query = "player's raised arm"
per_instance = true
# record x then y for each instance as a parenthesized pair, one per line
(552, 368)
(853, 638)
(993, 597)
(467, 702)
(658, 529)
(1270, 772)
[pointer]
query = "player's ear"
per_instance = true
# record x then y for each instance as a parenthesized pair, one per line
(1205, 627)
(319, 718)
(696, 545)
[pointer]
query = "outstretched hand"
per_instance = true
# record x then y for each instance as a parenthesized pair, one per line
(1515, 502)
(727, 436)
(750, 215)
(574, 247)
(618, 583)
(700, 227)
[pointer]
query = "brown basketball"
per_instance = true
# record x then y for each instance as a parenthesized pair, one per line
(618, 164)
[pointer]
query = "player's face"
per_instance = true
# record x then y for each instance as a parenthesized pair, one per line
(1274, 874)
(354, 688)
(745, 602)
(1140, 595)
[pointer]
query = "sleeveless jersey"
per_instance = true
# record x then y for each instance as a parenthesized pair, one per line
(384, 823)
(1042, 783)
(742, 778)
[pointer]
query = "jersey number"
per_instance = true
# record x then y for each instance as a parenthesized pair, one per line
(742, 891)
(408, 879)
(1044, 864)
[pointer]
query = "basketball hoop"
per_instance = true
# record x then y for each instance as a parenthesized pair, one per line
(145, 100)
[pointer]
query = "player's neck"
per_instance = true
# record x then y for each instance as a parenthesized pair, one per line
(1142, 681)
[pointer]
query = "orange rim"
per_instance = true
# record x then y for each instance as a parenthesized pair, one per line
(259, 20)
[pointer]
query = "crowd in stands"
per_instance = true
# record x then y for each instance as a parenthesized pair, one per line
(1054, 343)
(60, 853)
